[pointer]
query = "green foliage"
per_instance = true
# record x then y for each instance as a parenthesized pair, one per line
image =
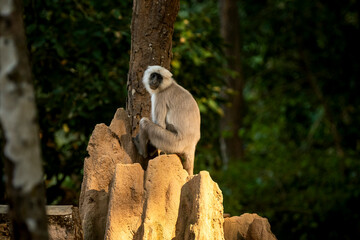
(294, 174)
(198, 66)
(303, 194)
(79, 53)
(80, 57)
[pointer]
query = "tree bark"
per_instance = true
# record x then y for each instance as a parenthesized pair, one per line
(231, 143)
(21, 149)
(152, 28)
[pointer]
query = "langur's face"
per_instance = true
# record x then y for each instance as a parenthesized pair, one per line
(155, 80)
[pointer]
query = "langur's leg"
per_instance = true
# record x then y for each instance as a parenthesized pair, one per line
(188, 162)
(170, 128)
(141, 141)
(167, 141)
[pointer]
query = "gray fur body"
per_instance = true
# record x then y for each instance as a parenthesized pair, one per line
(175, 125)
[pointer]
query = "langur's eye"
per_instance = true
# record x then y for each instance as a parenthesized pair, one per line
(156, 76)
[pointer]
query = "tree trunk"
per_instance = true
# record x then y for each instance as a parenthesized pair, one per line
(231, 143)
(152, 28)
(21, 150)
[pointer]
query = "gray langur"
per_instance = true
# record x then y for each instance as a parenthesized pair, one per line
(175, 125)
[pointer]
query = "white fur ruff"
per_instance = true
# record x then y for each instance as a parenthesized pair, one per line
(166, 74)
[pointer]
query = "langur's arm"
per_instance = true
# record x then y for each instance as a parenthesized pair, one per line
(159, 113)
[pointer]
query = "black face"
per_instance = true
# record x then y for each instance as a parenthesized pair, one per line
(155, 80)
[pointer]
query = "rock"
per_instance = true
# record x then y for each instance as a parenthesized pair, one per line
(63, 223)
(118, 200)
(5, 230)
(247, 227)
(105, 151)
(125, 202)
(164, 179)
(236, 227)
(260, 229)
(120, 125)
(201, 210)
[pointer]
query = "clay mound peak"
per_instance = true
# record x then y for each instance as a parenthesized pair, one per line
(119, 200)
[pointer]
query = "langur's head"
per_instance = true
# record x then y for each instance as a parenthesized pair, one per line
(157, 79)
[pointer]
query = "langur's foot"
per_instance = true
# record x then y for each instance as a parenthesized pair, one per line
(141, 150)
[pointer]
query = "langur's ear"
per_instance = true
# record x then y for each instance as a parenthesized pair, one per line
(165, 73)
